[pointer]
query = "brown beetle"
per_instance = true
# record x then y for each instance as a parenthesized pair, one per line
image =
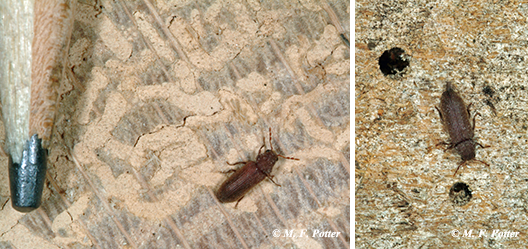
(456, 119)
(251, 174)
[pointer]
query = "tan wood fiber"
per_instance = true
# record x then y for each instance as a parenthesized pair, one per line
(52, 31)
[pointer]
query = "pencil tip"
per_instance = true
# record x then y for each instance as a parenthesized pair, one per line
(27, 177)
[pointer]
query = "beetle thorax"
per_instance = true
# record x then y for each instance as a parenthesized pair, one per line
(266, 161)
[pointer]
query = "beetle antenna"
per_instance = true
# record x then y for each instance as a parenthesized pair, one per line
(292, 158)
(462, 163)
(271, 145)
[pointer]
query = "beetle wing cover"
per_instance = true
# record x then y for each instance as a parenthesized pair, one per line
(455, 115)
(238, 184)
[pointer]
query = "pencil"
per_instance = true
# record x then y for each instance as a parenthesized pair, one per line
(34, 38)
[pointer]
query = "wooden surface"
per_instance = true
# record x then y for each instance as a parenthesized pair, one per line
(161, 95)
(402, 178)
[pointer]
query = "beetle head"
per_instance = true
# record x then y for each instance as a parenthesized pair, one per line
(466, 150)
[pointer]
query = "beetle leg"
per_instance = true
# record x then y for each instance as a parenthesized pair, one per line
(439, 113)
(482, 146)
(228, 171)
(474, 119)
(444, 143)
(270, 177)
(236, 163)
(238, 201)
(232, 170)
